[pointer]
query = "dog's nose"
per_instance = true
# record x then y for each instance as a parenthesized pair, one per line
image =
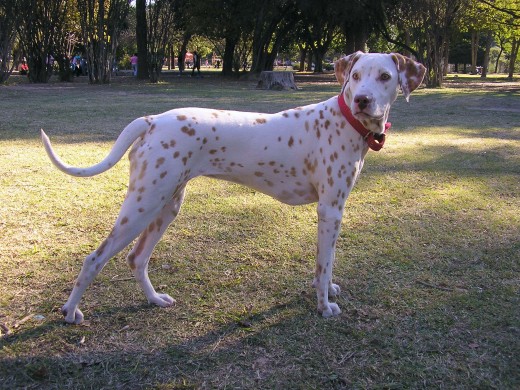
(362, 101)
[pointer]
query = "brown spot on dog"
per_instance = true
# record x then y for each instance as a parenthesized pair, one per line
(259, 174)
(143, 169)
(101, 248)
(176, 154)
(159, 162)
(261, 120)
(140, 245)
(188, 130)
(291, 142)
(124, 220)
(163, 174)
(182, 117)
(319, 269)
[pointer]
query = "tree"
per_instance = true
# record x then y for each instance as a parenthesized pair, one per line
(274, 21)
(439, 16)
(141, 34)
(8, 21)
(509, 11)
(160, 20)
(320, 27)
(101, 24)
(41, 34)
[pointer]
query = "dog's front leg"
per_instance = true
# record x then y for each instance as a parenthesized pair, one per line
(329, 223)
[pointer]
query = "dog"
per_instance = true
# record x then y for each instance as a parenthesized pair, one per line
(311, 154)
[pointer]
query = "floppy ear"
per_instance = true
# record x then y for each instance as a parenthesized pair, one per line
(343, 66)
(411, 73)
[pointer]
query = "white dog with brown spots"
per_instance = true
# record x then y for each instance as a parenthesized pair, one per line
(304, 155)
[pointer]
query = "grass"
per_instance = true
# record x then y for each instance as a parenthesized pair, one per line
(428, 257)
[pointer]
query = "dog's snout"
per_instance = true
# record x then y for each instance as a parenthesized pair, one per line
(362, 101)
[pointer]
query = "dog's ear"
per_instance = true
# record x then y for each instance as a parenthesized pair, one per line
(343, 66)
(411, 73)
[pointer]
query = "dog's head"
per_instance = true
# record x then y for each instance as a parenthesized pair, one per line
(370, 84)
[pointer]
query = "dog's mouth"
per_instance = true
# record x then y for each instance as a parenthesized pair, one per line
(363, 115)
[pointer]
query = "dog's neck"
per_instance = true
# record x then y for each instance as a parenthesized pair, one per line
(374, 140)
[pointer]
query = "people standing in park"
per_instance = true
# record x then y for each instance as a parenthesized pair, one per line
(196, 63)
(133, 61)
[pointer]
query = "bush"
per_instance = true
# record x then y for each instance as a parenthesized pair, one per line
(125, 62)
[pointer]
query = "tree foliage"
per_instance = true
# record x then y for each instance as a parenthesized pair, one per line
(8, 22)
(101, 24)
(256, 32)
(42, 34)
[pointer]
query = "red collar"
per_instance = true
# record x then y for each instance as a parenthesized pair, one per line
(374, 141)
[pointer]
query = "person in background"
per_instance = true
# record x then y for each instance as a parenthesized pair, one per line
(196, 63)
(133, 61)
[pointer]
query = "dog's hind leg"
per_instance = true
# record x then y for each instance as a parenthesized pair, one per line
(128, 226)
(139, 257)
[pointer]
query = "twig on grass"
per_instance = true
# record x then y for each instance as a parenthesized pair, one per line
(115, 279)
(433, 286)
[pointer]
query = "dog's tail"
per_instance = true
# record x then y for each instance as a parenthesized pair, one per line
(123, 142)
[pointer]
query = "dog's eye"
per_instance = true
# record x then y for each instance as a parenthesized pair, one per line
(385, 77)
(355, 76)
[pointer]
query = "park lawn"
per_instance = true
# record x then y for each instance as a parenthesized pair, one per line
(428, 257)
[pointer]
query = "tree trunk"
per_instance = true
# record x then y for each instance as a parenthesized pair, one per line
(309, 61)
(182, 52)
(227, 59)
(446, 56)
(498, 59)
(141, 33)
(515, 45)
(474, 51)
(276, 80)
(303, 56)
(318, 55)
(485, 66)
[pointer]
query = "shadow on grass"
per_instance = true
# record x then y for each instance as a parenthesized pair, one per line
(176, 365)
(456, 160)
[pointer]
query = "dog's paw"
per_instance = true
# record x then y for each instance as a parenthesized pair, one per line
(162, 300)
(334, 290)
(72, 316)
(330, 310)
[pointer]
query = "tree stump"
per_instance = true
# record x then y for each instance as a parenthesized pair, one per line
(276, 80)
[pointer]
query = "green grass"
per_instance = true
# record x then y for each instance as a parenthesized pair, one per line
(428, 257)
